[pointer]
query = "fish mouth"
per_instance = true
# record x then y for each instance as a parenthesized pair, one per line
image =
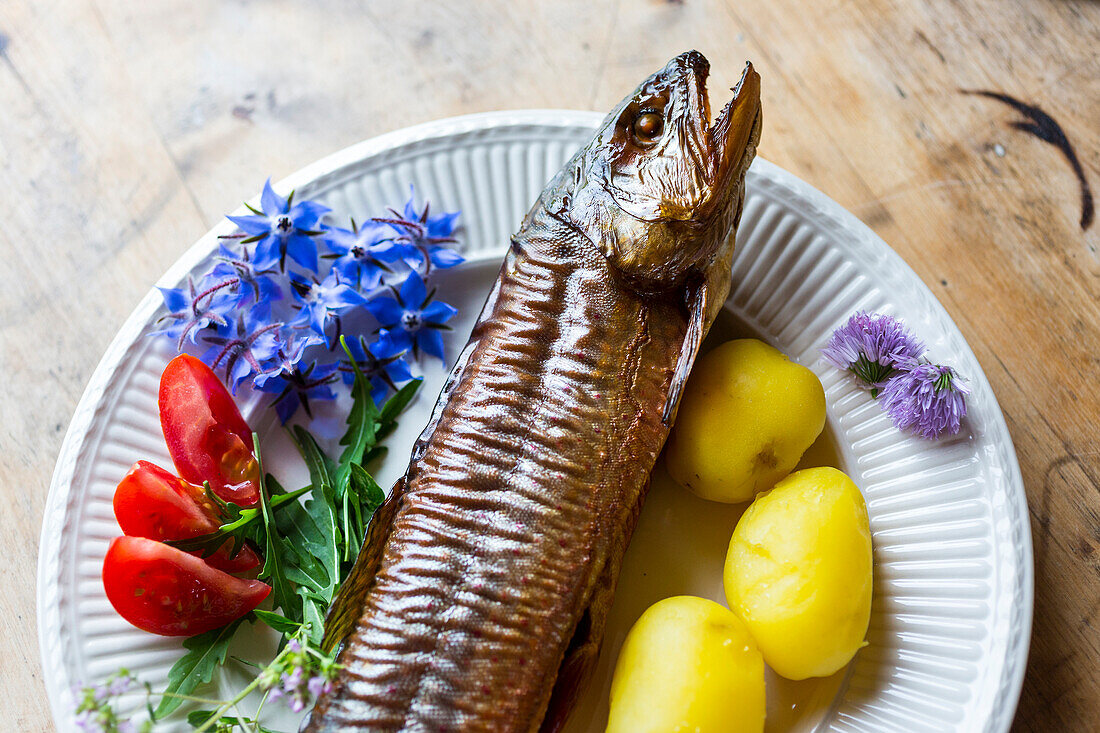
(722, 145)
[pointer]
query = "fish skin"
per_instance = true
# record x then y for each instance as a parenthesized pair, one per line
(479, 598)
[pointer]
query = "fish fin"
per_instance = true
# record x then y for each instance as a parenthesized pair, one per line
(584, 648)
(575, 669)
(347, 607)
(695, 298)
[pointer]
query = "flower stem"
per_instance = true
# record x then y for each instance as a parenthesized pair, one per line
(224, 708)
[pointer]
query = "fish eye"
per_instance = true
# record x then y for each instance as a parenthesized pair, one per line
(648, 126)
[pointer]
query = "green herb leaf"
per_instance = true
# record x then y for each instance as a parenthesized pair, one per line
(363, 421)
(197, 717)
(396, 404)
(282, 594)
(204, 653)
(243, 527)
(277, 621)
(370, 493)
(314, 610)
(321, 506)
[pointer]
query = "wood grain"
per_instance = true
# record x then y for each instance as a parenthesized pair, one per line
(126, 129)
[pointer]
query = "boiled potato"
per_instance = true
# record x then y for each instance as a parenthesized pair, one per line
(798, 571)
(688, 664)
(747, 415)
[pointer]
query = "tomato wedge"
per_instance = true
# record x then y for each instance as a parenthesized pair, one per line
(151, 502)
(206, 435)
(165, 591)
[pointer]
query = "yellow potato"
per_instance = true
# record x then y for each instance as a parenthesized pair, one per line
(747, 415)
(688, 664)
(798, 571)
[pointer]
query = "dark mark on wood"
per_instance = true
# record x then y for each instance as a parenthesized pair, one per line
(1044, 127)
(5, 41)
(924, 39)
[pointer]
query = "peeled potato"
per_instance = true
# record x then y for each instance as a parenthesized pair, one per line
(747, 415)
(798, 572)
(688, 664)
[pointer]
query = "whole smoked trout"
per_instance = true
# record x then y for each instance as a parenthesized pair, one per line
(479, 598)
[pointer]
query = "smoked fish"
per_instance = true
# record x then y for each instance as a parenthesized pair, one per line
(479, 598)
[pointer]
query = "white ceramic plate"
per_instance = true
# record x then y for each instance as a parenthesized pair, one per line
(953, 576)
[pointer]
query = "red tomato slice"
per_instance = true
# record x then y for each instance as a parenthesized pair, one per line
(165, 591)
(151, 502)
(206, 435)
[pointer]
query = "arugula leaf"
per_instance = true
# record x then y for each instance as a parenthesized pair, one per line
(321, 506)
(370, 493)
(197, 717)
(376, 452)
(396, 404)
(280, 623)
(204, 653)
(313, 611)
(308, 545)
(363, 421)
(239, 529)
(282, 594)
(295, 524)
(367, 496)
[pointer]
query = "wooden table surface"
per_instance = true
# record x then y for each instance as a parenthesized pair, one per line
(128, 128)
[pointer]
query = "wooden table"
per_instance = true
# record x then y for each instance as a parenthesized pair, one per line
(128, 128)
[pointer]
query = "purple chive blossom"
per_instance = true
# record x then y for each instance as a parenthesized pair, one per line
(196, 308)
(363, 252)
(253, 340)
(873, 347)
(252, 286)
(282, 230)
(425, 235)
(320, 302)
(295, 389)
(383, 374)
(411, 321)
(929, 400)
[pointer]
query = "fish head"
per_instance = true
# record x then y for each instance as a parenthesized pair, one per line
(660, 186)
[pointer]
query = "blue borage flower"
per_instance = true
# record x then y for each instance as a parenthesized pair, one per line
(364, 253)
(242, 350)
(424, 235)
(929, 400)
(321, 302)
(275, 323)
(411, 321)
(195, 309)
(250, 286)
(281, 230)
(926, 399)
(295, 388)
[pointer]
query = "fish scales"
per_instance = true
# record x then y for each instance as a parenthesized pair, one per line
(514, 487)
(479, 598)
